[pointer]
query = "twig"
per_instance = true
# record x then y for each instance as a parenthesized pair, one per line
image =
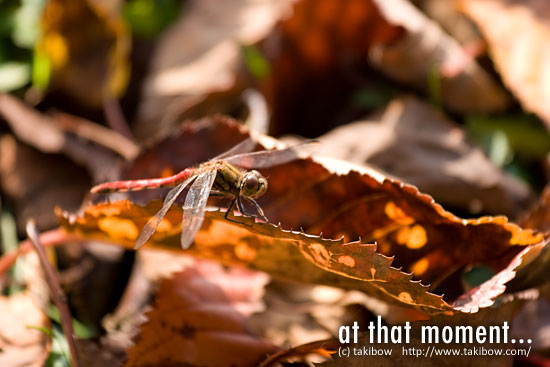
(1, 235)
(98, 134)
(58, 296)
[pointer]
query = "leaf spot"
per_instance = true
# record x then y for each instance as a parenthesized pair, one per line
(394, 212)
(413, 237)
(320, 254)
(245, 252)
(118, 228)
(346, 260)
(405, 297)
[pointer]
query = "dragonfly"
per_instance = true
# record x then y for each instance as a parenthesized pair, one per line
(228, 174)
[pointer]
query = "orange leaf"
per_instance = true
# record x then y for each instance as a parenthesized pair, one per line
(262, 246)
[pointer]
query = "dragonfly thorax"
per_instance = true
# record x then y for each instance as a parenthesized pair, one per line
(234, 181)
(253, 185)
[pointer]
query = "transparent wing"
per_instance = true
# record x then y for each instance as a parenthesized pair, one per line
(152, 224)
(268, 158)
(194, 207)
(244, 146)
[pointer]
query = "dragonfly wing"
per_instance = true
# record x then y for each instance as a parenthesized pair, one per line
(268, 158)
(153, 223)
(244, 146)
(194, 207)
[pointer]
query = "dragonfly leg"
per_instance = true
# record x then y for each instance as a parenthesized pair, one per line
(258, 209)
(226, 216)
(260, 212)
(239, 205)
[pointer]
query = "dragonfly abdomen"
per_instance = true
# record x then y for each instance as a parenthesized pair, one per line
(135, 185)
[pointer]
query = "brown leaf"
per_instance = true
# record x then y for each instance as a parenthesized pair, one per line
(337, 199)
(302, 194)
(533, 321)
(518, 37)
(404, 222)
(195, 312)
(467, 89)
(95, 354)
(20, 344)
(192, 143)
(181, 77)
(86, 143)
(36, 182)
(484, 294)
(87, 44)
(317, 56)
(297, 313)
(324, 50)
(323, 348)
(149, 268)
(417, 144)
(538, 217)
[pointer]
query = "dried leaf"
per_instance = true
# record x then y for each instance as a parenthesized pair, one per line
(87, 45)
(318, 55)
(324, 348)
(262, 246)
(423, 237)
(304, 195)
(484, 295)
(26, 178)
(21, 344)
(148, 270)
(194, 312)
(96, 354)
(533, 321)
(538, 217)
(467, 89)
(210, 61)
(412, 141)
(337, 199)
(321, 56)
(68, 135)
(518, 37)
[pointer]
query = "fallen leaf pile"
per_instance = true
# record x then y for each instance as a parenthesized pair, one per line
(423, 198)
(197, 310)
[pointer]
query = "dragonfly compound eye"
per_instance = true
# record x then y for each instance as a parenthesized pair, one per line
(253, 185)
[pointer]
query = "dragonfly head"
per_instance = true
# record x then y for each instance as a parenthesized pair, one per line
(253, 185)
